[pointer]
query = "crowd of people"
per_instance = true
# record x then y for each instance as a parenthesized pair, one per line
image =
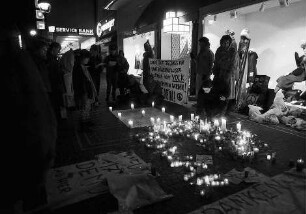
(216, 77)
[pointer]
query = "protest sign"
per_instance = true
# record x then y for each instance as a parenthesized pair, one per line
(173, 76)
(283, 193)
(80, 181)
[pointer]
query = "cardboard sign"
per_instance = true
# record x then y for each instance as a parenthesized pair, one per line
(80, 181)
(173, 76)
(284, 193)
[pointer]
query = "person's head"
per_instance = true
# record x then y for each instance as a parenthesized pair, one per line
(147, 47)
(204, 43)
(54, 48)
(245, 36)
(207, 85)
(94, 50)
(225, 41)
(84, 56)
(113, 49)
(38, 47)
(121, 53)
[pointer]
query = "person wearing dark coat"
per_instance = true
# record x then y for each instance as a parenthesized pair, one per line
(95, 68)
(212, 98)
(123, 80)
(112, 71)
(30, 128)
(56, 78)
(84, 88)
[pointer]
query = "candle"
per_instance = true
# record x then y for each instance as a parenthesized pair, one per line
(165, 125)
(110, 108)
(152, 120)
(239, 127)
(192, 116)
(132, 106)
(119, 114)
(131, 123)
(186, 177)
(153, 104)
(163, 109)
(216, 123)
(171, 118)
(223, 124)
(268, 157)
(255, 150)
(299, 165)
(180, 117)
(202, 192)
(158, 120)
(225, 181)
(143, 113)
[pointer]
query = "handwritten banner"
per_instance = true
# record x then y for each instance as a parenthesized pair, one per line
(173, 76)
(77, 182)
(282, 194)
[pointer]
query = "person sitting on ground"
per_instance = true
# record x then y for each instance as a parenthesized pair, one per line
(154, 92)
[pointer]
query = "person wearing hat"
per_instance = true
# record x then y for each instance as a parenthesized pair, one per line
(204, 62)
(112, 71)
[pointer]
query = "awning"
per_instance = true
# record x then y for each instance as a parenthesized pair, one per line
(156, 10)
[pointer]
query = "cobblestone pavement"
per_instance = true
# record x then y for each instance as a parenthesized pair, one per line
(110, 134)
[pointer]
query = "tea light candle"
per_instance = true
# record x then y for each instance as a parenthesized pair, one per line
(119, 114)
(171, 118)
(239, 127)
(268, 157)
(110, 108)
(152, 120)
(132, 106)
(202, 192)
(192, 116)
(165, 125)
(255, 150)
(158, 120)
(216, 123)
(153, 104)
(223, 124)
(225, 181)
(180, 118)
(143, 113)
(299, 165)
(131, 123)
(163, 109)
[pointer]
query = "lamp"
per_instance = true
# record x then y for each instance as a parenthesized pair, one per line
(44, 5)
(107, 7)
(172, 24)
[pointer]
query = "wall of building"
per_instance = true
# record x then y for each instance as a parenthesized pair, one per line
(275, 33)
(72, 13)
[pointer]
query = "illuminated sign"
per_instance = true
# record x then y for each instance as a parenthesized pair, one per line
(86, 32)
(101, 28)
(80, 31)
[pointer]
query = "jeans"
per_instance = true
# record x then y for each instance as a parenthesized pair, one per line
(111, 81)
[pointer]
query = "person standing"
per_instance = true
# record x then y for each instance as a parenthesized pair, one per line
(123, 70)
(204, 63)
(83, 87)
(145, 62)
(223, 66)
(56, 78)
(95, 68)
(112, 70)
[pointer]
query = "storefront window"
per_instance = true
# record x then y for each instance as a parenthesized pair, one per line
(133, 48)
(276, 33)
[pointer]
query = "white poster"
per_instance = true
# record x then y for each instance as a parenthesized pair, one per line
(80, 181)
(173, 77)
